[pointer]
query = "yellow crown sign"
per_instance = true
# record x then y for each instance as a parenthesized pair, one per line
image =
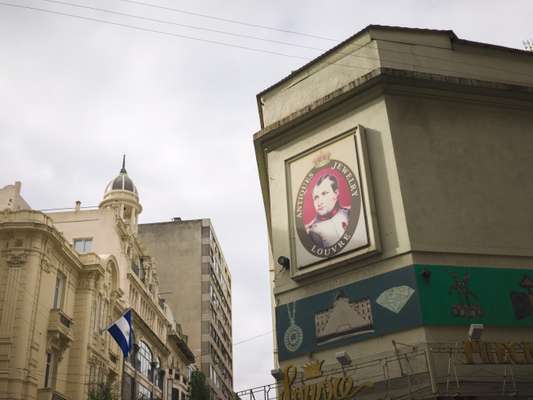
(313, 369)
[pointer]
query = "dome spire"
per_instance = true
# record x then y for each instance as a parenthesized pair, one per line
(123, 169)
(122, 182)
(122, 196)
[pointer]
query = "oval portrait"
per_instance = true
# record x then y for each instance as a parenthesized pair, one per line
(328, 206)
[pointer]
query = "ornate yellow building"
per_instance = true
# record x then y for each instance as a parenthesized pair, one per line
(64, 277)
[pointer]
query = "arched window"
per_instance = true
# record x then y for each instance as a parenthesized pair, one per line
(144, 360)
(112, 271)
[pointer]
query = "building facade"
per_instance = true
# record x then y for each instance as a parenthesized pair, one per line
(64, 277)
(190, 256)
(395, 177)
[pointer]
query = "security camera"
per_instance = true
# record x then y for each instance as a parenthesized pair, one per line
(277, 374)
(284, 262)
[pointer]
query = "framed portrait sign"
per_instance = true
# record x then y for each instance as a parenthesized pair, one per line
(329, 203)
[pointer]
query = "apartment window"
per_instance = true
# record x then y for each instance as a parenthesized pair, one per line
(175, 394)
(103, 313)
(59, 292)
(92, 376)
(96, 312)
(142, 274)
(83, 245)
(138, 267)
(49, 373)
(143, 392)
(144, 360)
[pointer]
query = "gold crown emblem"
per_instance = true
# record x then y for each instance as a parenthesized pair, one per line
(321, 159)
(313, 369)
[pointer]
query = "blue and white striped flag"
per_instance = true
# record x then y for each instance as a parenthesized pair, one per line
(121, 330)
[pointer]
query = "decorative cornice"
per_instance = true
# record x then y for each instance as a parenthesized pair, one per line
(59, 342)
(45, 264)
(414, 81)
(15, 258)
(30, 221)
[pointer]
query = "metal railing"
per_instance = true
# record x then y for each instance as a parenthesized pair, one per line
(425, 370)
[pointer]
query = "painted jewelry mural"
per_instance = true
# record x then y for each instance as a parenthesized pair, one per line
(294, 335)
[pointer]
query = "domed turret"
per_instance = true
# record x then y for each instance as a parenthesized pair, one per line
(122, 182)
(122, 195)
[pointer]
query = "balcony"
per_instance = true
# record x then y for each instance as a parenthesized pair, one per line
(60, 326)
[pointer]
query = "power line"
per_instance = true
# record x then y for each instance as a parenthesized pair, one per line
(308, 35)
(134, 27)
(261, 50)
(44, 10)
(231, 21)
(163, 21)
(251, 338)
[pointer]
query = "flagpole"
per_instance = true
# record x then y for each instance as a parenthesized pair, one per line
(123, 376)
(133, 339)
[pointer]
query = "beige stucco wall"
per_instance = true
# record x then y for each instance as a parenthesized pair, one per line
(438, 53)
(411, 50)
(444, 165)
(465, 173)
(386, 191)
(354, 60)
(101, 226)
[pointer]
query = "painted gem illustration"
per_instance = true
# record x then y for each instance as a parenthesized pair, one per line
(395, 298)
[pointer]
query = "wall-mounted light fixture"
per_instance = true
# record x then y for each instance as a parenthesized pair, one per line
(475, 332)
(343, 358)
(277, 374)
(284, 263)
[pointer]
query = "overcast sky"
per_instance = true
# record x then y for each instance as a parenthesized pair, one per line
(76, 94)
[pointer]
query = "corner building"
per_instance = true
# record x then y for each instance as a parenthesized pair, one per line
(395, 172)
(64, 277)
(195, 282)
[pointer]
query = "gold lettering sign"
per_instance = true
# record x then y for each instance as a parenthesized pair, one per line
(330, 388)
(477, 352)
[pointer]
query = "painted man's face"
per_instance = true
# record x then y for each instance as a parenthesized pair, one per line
(324, 197)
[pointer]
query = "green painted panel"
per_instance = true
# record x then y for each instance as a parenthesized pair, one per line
(465, 295)
(355, 312)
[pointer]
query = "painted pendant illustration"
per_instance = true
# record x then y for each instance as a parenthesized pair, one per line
(294, 336)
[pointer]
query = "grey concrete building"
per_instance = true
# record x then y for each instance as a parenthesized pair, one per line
(195, 282)
(396, 178)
